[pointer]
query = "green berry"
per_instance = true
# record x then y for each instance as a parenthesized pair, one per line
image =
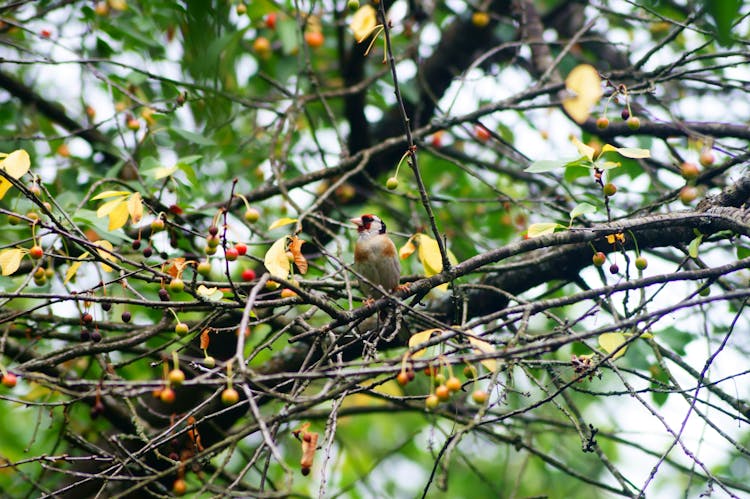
(609, 189)
(641, 263)
(392, 183)
(633, 123)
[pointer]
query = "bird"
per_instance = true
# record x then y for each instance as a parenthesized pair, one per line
(376, 259)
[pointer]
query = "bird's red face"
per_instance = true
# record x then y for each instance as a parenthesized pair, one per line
(363, 223)
(369, 224)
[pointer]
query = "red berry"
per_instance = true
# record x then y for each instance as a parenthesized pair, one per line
(602, 122)
(482, 134)
(87, 318)
(599, 258)
(231, 254)
(248, 275)
(241, 248)
(271, 20)
(36, 252)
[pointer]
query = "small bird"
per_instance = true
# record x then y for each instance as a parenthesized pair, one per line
(375, 257)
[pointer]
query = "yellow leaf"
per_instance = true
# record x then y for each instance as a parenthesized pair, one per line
(10, 260)
(628, 152)
(118, 4)
(541, 229)
(282, 222)
(276, 261)
(135, 207)
(16, 163)
(210, 294)
(110, 194)
(119, 216)
(609, 342)
(481, 346)
(4, 186)
(584, 149)
(429, 255)
(363, 22)
(586, 86)
(106, 245)
(407, 249)
(106, 208)
(71, 272)
(421, 337)
(163, 171)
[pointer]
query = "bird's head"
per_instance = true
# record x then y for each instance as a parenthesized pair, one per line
(369, 225)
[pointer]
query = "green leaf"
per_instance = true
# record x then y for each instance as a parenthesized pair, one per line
(676, 339)
(742, 252)
(193, 137)
(659, 381)
(693, 246)
(287, 30)
(582, 209)
(724, 13)
(546, 165)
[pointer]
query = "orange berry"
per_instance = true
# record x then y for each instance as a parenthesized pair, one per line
(707, 157)
(689, 170)
(179, 487)
(442, 392)
(9, 380)
(229, 396)
(262, 47)
(453, 384)
(688, 194)
(167, 395)
(402, 378)
(480, 19)
(314, 39)
(479, 396)
(63, 150)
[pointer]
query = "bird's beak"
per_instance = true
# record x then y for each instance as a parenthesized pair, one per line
(356, 221)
